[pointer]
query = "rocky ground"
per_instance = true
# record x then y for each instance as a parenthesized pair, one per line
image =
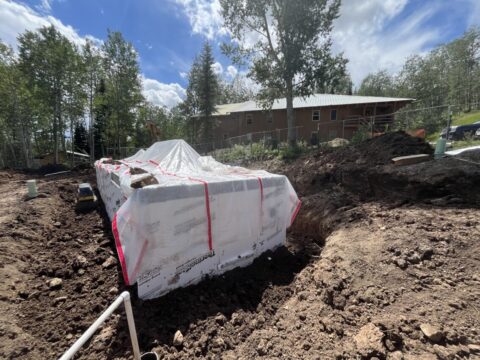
(382, 262)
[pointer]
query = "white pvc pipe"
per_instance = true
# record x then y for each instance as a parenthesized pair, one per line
(123, 298)
(32, 188)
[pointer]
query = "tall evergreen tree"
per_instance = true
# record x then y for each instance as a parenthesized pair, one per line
(190, 106)
(202, 96)
(80, 138)
(101, 112)
(207, 91)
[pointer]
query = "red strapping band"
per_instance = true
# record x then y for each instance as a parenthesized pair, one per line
(297, 209)
(118, 245)
(207, 207)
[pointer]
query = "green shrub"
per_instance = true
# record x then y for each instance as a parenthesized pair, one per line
(362, 134)
(289, 153)
(260, 151)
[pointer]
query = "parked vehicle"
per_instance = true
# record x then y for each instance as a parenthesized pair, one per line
(460, 132)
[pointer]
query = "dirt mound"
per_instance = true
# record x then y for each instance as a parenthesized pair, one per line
(381, 149)
(365, 171)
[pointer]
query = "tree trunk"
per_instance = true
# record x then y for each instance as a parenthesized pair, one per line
(57, 125)
(24, 137)
(55, 137)
(72, 145)
(292, 131)
(92, 129)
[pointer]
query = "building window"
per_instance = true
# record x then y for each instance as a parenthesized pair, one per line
(249, 118)
(333, 114)
(316, 115)
(225, 136)
(269, 117)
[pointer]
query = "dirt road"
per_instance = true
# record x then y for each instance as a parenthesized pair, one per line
(367, 273)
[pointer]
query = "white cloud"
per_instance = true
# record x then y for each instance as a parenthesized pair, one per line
(161, 94)
(45, 5)
(232, 71)
(365, 34)
(217, 68)
(373, 34)
(183, 74)
(205, 16)
(17, 18)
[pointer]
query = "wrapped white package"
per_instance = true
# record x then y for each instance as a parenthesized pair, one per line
(193, 218)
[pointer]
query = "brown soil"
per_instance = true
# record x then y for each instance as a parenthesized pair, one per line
(382, 262)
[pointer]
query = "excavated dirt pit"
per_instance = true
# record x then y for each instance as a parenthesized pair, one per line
(382, 262)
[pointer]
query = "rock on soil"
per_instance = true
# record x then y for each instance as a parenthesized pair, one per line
(178, 338)
(55, 283)
(111, 261)
(432, 333)
(369, 341)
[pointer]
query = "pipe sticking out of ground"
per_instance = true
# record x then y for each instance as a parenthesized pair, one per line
(123, 298)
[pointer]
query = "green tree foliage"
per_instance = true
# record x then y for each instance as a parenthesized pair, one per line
(288, 44)
(202, 97)
(447, 75)
(123, 88)
(101, 112)
(207, 91)
(335, 78)
(50, 90)
(190, 106)
(92, 59)
(235, 91)
(378, 84)
(80, 137)
(19, 113)
(49, 62)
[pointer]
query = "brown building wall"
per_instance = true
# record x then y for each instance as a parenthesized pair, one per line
(275, 122)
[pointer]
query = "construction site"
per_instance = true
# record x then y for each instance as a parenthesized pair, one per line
(380, 261)
(232, 179)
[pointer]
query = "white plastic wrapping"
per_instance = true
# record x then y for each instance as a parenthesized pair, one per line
(202, 218)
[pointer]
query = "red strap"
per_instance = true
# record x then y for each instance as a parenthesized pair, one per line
(297, 209)
(118, 245)
(207, 208)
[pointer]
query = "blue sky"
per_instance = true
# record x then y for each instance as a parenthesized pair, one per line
(373, 34)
